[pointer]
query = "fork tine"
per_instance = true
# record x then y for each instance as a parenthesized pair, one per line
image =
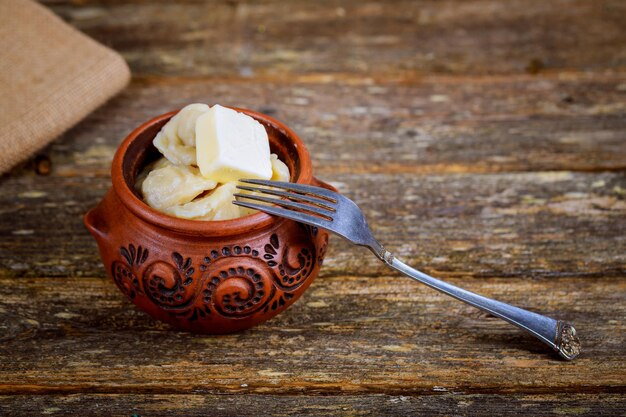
(289, 214)
(326, 214)
(298, 197)
(301, 188)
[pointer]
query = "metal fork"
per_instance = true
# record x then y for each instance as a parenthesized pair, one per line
(329, 210)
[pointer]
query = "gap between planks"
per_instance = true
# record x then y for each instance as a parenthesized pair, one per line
(399, 78)
(309, 390)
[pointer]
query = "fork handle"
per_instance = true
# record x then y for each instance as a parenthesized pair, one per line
(557, 334)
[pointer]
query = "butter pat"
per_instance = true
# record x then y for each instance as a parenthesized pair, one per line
(231, 145)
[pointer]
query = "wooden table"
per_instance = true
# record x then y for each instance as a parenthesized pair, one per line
(485, 140)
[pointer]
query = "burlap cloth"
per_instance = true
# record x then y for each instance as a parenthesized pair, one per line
(51, 76)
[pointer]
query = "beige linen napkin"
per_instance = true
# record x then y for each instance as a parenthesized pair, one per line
(51, 76)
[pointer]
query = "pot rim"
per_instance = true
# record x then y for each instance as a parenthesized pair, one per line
(236, 226)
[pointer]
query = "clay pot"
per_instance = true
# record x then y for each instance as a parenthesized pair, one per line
(205, 276)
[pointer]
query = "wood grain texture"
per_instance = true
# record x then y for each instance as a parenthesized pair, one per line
(486, 142)
(284, 37)
(439, 124)
(531, 225)
(445, 404)
(352, 335)
(449, 185)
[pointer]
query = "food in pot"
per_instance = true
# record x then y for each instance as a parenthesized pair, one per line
(205, 151)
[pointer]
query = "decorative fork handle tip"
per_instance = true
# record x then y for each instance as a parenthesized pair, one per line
(567, 342)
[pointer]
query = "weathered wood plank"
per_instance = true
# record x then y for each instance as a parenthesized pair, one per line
(346, 405)
(532, 225)
(435, 124)
(406, 134)
(284, 37)
(347, 334)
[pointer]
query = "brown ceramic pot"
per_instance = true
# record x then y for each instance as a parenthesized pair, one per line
(205, 276)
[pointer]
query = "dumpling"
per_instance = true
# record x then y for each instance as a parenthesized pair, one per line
(215, 206)
(171, 184)
(186, 122)
(177, 139)
(159, 163)
(280, 170)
